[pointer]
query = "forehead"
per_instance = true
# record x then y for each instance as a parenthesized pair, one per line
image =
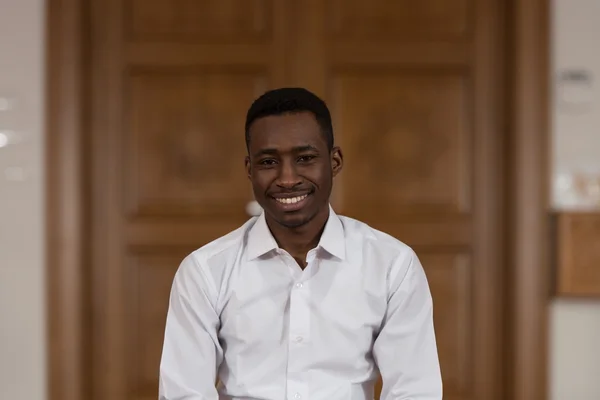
(286, 130)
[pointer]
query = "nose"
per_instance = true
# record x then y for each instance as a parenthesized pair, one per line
(288, 177)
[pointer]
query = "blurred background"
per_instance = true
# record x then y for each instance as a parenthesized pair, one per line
(121, 150)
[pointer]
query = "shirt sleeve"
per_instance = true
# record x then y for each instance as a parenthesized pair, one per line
(191, 352)
(405, 349)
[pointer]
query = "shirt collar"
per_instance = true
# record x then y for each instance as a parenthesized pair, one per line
(261, 241)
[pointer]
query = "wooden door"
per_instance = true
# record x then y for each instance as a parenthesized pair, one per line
(413, 88)
(414, 92)
(171, 84)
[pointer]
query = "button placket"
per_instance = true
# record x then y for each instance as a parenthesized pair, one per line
(299, 312)
(299, 334)
(298, 339)
(297, 390)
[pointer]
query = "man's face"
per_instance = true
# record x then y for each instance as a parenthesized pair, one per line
(291, 168)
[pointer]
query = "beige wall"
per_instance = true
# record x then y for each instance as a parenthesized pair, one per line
(22, 336)
(575, 324)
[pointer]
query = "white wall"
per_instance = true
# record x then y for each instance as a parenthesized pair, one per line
(575, 324)
(22, 328)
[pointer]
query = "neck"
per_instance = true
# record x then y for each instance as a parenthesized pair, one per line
(299, 241)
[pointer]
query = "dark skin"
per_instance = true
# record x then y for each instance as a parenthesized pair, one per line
(288, 159)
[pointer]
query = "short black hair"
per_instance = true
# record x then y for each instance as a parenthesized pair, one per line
(290, 100)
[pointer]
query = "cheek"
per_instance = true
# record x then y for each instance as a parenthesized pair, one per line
(320, 176)
(263, 178)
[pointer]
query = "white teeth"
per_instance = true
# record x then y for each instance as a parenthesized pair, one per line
(291, 200)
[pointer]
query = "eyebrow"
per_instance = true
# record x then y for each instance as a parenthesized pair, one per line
(297, 149)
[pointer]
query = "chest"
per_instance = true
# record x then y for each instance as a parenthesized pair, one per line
(324, 304)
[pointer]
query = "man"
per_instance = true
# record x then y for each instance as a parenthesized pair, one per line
(299, 303)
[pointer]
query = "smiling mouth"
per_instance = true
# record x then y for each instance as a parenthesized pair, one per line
(291, 200)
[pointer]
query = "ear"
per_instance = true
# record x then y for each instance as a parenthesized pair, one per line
(248, 166)
(337, 160)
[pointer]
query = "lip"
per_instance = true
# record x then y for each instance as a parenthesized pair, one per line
(290, 207)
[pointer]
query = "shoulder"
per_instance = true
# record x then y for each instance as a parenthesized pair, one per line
(380, 251)
(213, 258)
(358, 231)
(228, 243)
(377, 248)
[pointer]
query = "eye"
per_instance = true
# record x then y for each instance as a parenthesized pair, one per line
(306, 158)
(267, 162)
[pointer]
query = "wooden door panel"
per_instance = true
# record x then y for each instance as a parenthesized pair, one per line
(199, 20)
(449, 276)
(149, 278)
(405, 139)
(185, 130)
(397, 20)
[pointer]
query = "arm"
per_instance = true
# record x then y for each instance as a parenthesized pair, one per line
(191, 351)
(405, 349)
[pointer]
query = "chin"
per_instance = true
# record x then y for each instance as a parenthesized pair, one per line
(295, 220)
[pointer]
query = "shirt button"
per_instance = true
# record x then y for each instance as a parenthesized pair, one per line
(298, 339)
(297, 396)
(299, 285)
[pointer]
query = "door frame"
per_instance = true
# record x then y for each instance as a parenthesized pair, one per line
(526, 200)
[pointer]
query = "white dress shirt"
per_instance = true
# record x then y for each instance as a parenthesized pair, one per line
(242, 311)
